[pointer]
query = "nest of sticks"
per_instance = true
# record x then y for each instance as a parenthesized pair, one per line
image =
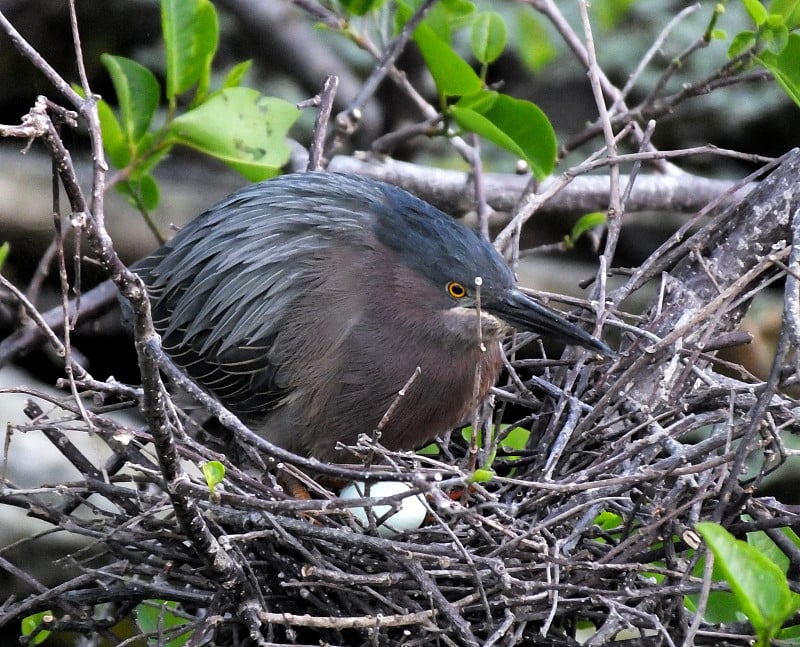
(587, 526)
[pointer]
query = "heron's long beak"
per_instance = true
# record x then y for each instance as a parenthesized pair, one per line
(524, 313)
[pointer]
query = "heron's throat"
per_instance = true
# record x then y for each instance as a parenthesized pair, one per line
(466, 327)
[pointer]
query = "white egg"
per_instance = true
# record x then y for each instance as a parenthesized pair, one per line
(409, 515)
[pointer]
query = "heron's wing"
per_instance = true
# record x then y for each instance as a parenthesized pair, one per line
(223, 288)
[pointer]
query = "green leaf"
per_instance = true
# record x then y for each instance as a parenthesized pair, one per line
(360, 7)
(138, 94)
(758, 584)
(610, 12)
(516, 438)
(789, 10)
(608, 520)
(743, 41)
(774, 36)
(191, 34)
(5, 248)
(769, 549)
(443, 18)
(235, 76)
(33, 622)
(481, 476)
(587, 222)
(790, 635)
(429, 450)
(140, 191)
(488, 37)
(518, 126)
(756, 11)
(240, 127)
(452, 74)
(784, 66)
(533, 42)
(214, 471)
(156, 617)
(114, 142)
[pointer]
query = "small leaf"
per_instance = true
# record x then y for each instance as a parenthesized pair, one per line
(429, 450)
(516, 438)
(743, 41)
(774, 36)
(587, 222)
(516, 125)
(5, 248)
(481, 476)
(33, 623)
(240, 127)
(214, 471)
(756, 11)
(235, 76)
(191, 34)
(488, 37)
(719, 34)
(608, 520)
(758, 584)
(140, 191)
(114, 141)
(137, 92)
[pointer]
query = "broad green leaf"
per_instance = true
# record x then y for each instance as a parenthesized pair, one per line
(743, 41)
(721, 606)
(235, 76)
(452, 74)
(214, 472)
(240, 127)
(784, 66)
(360, 7)
(137, 95)
(155, 616)
(191, 33)
(488, 37)
(32, 623)
(5, 248)
(533, 42)
(756, 11)
(758, 584)
(769, 549)
(518, 126)
(587, 222)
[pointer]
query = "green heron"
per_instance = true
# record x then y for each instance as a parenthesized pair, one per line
(306, 302)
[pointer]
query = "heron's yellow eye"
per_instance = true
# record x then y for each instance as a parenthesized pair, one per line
(456, 290)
